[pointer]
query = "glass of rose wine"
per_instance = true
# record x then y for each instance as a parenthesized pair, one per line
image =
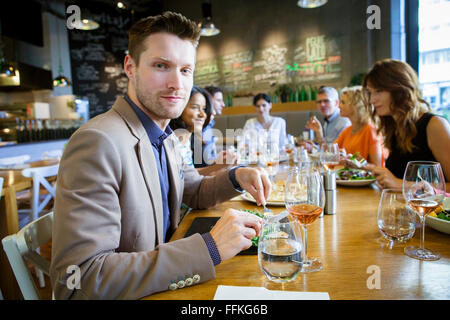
(424, 191)
(304, 199)
(330, 155)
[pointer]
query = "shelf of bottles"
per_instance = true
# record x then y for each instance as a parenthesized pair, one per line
(36, 130)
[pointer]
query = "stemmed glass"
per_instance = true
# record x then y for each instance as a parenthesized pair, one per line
(396, 221)
(272, 158)
(280, 248)
(304, 199)
(424, 191)
(329, 155)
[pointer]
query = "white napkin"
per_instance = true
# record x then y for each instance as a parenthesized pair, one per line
(260, 293)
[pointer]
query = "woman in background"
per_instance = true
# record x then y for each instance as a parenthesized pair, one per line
(275, 126)
(410, 131)
(361, 137)
(195, 116)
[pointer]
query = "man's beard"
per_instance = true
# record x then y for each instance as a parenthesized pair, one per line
(152, 104)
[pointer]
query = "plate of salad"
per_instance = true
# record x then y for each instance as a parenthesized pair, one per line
(354, 177)
(440, 218)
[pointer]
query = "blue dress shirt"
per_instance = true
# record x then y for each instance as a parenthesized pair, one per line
(157, 137)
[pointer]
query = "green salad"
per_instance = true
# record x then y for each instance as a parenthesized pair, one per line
(256, 213)
(354, 174)
(444, 215)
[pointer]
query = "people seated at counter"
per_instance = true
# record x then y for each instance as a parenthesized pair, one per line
(121, 183)
(328, 104)
(361, 137)
(191, 122)
(275, 126)
(411, 132)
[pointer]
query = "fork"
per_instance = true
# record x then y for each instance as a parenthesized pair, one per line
(266, 211)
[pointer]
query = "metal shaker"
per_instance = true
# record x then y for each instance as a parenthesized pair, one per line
(329, 184)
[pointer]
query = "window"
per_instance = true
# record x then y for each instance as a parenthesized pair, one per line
(434, 54)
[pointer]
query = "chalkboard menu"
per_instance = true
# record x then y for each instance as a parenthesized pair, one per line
(314, 60)
(97, 60)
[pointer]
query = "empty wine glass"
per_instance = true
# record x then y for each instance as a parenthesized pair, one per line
(396, 221)
(304, 199)
(424, 191)
(329, 155)
(280, 249)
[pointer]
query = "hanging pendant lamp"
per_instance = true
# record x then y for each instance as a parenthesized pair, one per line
(60, 80)
(309, 4)
(207, 25)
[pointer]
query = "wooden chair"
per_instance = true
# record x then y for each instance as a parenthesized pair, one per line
(39, 175)
(13, 162)
(22, 247)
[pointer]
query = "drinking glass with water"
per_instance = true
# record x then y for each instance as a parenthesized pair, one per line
(280, 249)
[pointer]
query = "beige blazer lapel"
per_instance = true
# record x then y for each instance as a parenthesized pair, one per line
(175, 177)
(147, 162)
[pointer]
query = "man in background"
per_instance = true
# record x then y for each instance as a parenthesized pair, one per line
(328, 104)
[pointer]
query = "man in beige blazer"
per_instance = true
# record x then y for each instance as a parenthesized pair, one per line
(109, 226)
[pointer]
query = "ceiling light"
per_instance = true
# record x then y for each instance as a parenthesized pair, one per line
(60, 80)
(309, 4)
(207, 26)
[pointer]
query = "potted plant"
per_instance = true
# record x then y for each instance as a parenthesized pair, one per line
(284, 91)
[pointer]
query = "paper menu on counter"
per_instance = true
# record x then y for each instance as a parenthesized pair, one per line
(260, 293)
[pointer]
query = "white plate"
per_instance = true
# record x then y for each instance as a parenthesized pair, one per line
(440, 224)
(247, 196)
(355, 183)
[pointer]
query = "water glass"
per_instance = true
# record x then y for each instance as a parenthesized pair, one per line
(280, 249)
(396, 221)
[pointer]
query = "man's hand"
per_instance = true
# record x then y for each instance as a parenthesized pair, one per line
(234, 232)
(315, 125)
(256, 182)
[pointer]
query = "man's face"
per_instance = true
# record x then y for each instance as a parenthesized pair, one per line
(218, 102)
(162, 82)
(326, 105)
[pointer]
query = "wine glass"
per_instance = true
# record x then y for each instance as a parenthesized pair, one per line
(424, 191)
(304, 198)
(396, 221)
(280, 249)
(329, 155)
(272, 158)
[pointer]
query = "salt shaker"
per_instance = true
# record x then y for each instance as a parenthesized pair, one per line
(329, 184)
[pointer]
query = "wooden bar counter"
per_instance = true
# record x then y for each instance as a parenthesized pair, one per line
(350, 248)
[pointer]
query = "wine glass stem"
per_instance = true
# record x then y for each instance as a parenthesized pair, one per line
(422, 235)
(305, 240)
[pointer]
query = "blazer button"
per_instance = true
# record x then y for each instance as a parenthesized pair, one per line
(196, 278)
(173, 286)
(189, 281)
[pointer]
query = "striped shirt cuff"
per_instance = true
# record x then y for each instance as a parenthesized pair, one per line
(213, 252)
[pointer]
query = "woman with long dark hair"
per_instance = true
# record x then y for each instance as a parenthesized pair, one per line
(411, 132)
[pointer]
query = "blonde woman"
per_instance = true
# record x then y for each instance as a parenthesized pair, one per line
(410, 131)
(362, 136)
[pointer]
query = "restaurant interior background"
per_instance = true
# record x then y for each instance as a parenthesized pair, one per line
(262, 46)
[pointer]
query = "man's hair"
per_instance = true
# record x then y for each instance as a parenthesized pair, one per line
(331, 92)
(169, 22)
(213, 90)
